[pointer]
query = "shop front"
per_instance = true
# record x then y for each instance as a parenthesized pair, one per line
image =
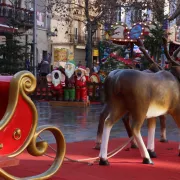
(60, 54)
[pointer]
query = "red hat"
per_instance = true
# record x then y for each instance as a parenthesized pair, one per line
(82, 68)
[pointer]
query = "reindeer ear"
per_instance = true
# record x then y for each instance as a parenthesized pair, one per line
(62, 77)
(49, 78)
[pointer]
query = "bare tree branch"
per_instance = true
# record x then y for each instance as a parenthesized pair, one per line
(176, 52)
(142, 48)
(169, 58)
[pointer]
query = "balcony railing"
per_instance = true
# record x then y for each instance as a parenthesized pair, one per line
(20, 16)
(82, 40)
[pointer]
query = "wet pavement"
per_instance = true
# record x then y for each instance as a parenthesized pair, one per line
(79, 124)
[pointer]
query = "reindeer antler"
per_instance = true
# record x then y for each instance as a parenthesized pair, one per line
(142, 48)
(169, 58)
(175, 53)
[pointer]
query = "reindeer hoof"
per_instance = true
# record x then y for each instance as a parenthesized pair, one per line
(163, 140)
(152, 154)
(97, 147)
(103, 162)
(147, 161)
(134, 146)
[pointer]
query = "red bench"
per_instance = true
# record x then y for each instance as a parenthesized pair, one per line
(18, 124)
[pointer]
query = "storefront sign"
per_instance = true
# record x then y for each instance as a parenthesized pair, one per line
(70, 56)
(118, 32)
(60, 57)
(40, 19)
(136, 31)
(95, 52)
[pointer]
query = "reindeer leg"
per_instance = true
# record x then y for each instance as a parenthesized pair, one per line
(126, 121)
(136, 127)
(104, 145)
(112, 118)
(103, 115)
(163, 128)
(151, 134)
(176, 116)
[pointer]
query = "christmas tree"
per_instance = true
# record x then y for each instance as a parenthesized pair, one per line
(111, 62)
(12, 51)
(11, 56)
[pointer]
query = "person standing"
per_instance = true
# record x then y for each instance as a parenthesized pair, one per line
(44, 68)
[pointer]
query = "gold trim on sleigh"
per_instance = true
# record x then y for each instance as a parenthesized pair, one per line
(22, 84)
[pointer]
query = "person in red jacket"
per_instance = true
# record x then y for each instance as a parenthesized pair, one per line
(80, 84)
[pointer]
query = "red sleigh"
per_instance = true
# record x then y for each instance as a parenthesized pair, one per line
(18, 124)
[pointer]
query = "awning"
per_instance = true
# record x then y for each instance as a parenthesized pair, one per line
(6, 28)
(123, 41)
(175, 42)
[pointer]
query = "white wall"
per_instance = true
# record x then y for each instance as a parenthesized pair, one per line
(62, 28)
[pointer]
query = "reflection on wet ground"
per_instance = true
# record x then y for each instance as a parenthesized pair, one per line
(78, 124)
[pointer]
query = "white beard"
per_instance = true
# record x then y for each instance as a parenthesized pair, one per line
(56, 81)
(69, 73)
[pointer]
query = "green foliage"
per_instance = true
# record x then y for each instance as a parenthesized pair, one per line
(112, 64)
(112, 48)
(11, 56)
(12, 52)
(153, 42)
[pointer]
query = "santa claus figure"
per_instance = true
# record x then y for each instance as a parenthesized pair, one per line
(56, 82)
(81, 79)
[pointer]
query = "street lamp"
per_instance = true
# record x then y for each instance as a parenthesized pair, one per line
(55, 33)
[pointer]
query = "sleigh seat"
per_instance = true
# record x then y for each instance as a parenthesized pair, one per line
(18, 125)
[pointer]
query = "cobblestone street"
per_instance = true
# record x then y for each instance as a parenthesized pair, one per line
(78, 124)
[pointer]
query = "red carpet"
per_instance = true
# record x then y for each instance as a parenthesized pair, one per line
(126, 165)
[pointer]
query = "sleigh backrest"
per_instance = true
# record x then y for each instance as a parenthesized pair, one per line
(4, 93)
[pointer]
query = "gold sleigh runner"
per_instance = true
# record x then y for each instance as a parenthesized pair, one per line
(19, 125)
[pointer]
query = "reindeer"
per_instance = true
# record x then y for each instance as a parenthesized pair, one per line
(126, 118)
(143, 95)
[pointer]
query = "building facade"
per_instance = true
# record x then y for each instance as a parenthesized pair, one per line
(22, 11)
(71, 38)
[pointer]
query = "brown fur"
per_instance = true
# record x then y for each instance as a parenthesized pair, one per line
(135, 92)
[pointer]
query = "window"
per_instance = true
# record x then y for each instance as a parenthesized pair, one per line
(136, 15)
(76, 33)
(17, 3)
(118, 17)
(44, 55)
(2, 1)
(28, 4)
